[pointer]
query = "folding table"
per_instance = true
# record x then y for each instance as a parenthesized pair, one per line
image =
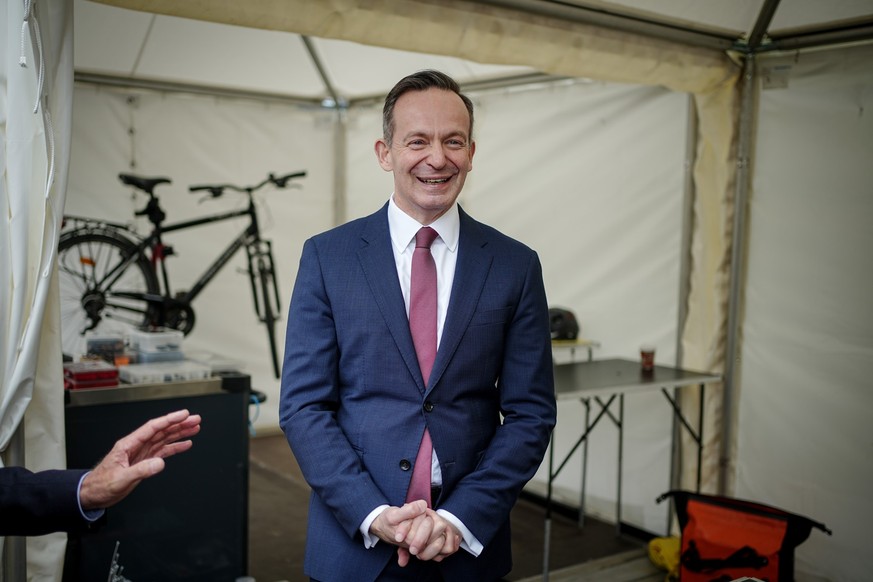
(605, 383)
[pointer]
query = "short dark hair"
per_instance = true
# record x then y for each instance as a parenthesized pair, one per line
(420, 81)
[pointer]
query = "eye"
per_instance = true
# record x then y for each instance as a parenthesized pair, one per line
(416, 144)
(456, 143)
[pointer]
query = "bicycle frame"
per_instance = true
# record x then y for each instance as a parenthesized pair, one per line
(153, 241)
(119, 249)
(247, 236)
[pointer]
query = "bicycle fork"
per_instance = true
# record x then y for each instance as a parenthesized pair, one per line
(260, 265)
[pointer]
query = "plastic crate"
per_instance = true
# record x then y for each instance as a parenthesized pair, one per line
(161, 372)
(155, 341)
(140, 357)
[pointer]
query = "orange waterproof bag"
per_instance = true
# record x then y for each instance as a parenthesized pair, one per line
(725, 539)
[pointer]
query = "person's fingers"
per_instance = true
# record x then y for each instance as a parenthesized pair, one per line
(145, 469)
(402, 557)
(178, 431)
(411, 510)
(401, 518)
(174, 449)
(452, 543)
(420, 535)
(434, 548)
(158, 436)
(156, 425)
(443, 539)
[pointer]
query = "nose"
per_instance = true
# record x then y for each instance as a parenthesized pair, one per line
(437, 157)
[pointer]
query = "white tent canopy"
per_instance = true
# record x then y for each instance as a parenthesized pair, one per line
(220, 52)
(587, 140)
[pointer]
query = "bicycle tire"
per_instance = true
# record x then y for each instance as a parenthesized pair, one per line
(84, 260)
(268, 315)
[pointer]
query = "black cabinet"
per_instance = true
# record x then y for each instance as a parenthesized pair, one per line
(188, 523)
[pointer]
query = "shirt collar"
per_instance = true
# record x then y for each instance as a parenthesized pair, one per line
(403, 227)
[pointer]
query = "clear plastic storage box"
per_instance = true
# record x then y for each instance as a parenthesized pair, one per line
(159, 372)
(155, 341)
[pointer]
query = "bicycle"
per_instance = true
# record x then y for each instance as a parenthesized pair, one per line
(113, 279)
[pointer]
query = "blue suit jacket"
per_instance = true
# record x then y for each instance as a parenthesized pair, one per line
(39, 503)
(354, 405)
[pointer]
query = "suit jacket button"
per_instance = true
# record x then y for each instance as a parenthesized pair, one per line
(405, 465)
(428, 406)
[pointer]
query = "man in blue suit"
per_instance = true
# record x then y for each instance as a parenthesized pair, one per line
(70, 500)
(354, 403)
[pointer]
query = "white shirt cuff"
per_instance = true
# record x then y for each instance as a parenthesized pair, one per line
(369, 539)
(469, 542)
(90, 515)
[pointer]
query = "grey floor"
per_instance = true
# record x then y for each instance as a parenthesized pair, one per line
(278, 498)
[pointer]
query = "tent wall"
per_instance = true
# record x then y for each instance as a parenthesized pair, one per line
(806, 244)
(201, 140)
(597, 189)
(490, 34)
(804, 435)
(601, 166)
(36, 77)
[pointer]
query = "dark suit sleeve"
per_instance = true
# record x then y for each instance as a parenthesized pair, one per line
(310, 400)
(484, 497)
(39, 503)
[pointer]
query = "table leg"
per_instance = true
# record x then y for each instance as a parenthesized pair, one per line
(547, 531)
(581, 520)
(700, 436)
(620, 462)
(675, 459)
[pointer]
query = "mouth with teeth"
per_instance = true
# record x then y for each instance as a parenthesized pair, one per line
(433, 180)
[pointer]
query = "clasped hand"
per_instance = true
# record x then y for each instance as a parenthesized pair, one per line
(417, 531)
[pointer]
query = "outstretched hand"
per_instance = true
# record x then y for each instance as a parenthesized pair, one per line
(137, 456)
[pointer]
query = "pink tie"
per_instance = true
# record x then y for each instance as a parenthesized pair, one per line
(423, 325)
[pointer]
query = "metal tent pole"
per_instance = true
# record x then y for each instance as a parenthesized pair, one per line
(743, 178)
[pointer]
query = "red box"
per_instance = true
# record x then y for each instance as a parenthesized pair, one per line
(90, 374)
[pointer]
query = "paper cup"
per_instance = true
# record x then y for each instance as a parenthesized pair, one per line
(647, 357)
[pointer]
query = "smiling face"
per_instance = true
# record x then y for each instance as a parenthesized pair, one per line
(430, 153)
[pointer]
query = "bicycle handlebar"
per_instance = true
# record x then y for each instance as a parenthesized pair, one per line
(283, 181)
(216, 190)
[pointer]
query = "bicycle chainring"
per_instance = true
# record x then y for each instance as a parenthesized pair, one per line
(180, 317)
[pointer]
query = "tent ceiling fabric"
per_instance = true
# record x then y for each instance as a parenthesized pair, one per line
(475, 32)
(207, 54)
(736, 18)
(217, 43)
(359, 44)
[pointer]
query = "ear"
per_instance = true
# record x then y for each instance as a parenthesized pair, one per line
(383, 154)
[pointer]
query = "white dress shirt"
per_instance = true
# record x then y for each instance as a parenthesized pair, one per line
(444, 249)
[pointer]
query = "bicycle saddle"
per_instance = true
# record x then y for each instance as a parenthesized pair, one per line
(147, 184)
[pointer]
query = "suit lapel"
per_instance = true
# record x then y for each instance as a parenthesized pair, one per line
(377, 261)
(471, 270)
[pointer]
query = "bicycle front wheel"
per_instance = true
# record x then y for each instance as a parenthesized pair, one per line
(103, 281)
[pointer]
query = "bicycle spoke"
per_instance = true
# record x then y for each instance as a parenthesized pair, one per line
(108, 284)
(94, 265)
